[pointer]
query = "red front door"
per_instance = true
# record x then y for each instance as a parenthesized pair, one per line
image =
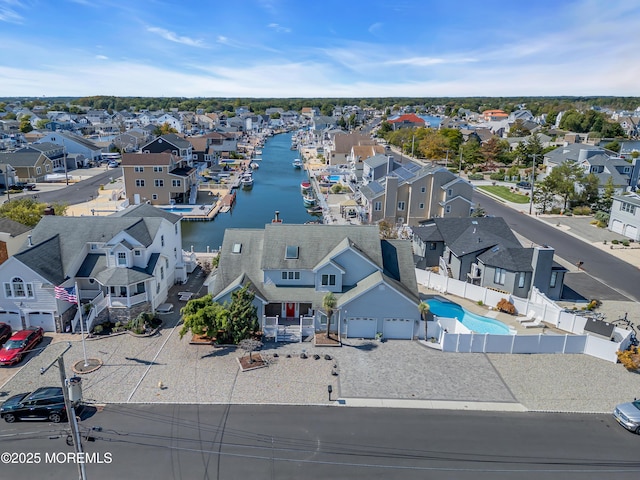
(290, 310)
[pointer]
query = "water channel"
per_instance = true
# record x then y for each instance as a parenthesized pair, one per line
(276, 187)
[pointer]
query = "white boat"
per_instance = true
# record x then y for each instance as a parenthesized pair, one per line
(297, 163)
(246, 180)
(254, 165)
(308, 200)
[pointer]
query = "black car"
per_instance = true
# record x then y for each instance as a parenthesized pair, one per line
(5, 333)
(46, 403)
(525, 185)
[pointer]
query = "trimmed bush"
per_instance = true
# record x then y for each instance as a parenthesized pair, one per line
(476, 176)
(615, 242)
(506, 306)
(630, 358)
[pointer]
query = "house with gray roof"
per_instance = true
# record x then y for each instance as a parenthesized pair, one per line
(625, 216)
(290, 268)
(29, 165)
(412, 193)
(485, 252)
(74, 144)
(122, 265)
(172, 143)
(12, 235)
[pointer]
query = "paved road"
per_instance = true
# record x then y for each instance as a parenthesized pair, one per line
(267, 442)
(81, 191)
(611, 278)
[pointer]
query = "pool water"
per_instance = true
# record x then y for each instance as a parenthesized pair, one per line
(178, 209)
(335, 178)
(473, 322)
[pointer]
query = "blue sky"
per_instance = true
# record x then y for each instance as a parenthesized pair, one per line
(326, 48)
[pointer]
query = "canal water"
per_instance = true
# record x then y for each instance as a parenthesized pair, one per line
(276, 187)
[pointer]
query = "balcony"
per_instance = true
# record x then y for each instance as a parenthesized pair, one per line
(120, 302)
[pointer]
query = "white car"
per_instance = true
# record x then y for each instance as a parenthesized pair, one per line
(628, 415)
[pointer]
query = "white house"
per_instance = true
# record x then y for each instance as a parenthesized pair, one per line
(625, 216)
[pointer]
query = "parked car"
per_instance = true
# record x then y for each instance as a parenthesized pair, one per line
(46, 403)
(525, 185)
(628, 415)
(113, 164)
(5, 333)
(21, 343)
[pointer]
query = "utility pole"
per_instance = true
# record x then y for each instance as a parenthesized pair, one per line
(533, 182)
(71, 413)
(460, 166)
(66, 176)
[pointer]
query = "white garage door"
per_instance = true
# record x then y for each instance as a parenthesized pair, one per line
(358, 327)
(631, 231)
(617, 226)
(400, 328)
(42, 319)
(11, 318)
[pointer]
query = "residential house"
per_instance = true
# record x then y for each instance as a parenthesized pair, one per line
(172, 120)
(129, 141)
(173, 143)
(27, 166)
(123, 264)
(74, 144)
(340, 144)
(157, 178)
(409, 120)
(412, 193)
(54, 151)
(625, 216)
(290, 268)
(485, 252)
(12, 236)
(494, 115)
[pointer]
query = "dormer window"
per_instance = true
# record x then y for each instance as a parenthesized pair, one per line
(122, 258)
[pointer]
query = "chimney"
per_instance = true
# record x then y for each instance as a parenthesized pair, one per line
(30, 243)
(49, 210)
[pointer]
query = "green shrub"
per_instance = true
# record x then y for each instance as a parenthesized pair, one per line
(476, 176)
(625, 243)
(582, 210)
(568, 214)
(98, 329)
(555, 210)
(497, 176)
(615, 242)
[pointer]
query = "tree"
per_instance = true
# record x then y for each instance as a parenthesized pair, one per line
(202, 316)
(329, 303)
(471, 154)
(613, 146)
(42, 123)
(243, 316)
(494, 151)
(25, 124)
(603, 203)
(27, 211)
(164, 129)
(543, 196)
(563, 180)
(590, 186)
(249, 345)
(424, 308)
(518, 129)
(433, 145)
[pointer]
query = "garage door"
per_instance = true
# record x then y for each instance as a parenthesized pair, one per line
(617, 226)
(631, 231)
(41, 319)
(358, 327)
(11, 318)
(400, 328)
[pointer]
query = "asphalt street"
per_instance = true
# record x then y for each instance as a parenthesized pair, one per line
(269, 442)
(608, 277)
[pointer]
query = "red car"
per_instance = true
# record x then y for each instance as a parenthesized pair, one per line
(5, 333)
(20, 344)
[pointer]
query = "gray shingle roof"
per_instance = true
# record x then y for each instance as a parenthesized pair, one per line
(12, 227)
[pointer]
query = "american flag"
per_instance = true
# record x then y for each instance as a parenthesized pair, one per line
(66, 294)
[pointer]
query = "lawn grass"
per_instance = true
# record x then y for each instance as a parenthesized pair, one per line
(505, 193)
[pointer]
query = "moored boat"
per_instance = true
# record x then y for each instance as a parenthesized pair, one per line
(254, 165)
(297, 163)
(309, 200)
(305, 187)
(246, 181)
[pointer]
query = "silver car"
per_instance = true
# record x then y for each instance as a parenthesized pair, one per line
(628, 415)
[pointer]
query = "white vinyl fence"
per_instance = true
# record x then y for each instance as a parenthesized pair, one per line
(538, 306)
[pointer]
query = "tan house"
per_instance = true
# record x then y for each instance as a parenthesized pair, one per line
(411, 194)
(157, 178)
(341, 144)
(12, 236)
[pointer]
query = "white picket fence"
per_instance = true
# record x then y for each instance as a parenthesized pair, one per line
(539, 307)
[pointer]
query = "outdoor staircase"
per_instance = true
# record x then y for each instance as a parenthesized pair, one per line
(289, 333)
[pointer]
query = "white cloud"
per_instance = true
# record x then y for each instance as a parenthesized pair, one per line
(279, 28)
(102, 57)
(8, 12)
(173, 37)
(374, 28)
(428, 61)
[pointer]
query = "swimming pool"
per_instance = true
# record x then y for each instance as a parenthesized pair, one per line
(476, 323)
(178, 209)
(335, 178)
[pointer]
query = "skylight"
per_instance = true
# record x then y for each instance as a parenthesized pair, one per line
(237, 248)
(291, 252)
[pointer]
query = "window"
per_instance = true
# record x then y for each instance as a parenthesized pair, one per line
(137, 253)
(122, 258)
(450, 192)
(554, 280)
(162, 240)
(154, 196)
(157, 169)
(447, 209)
(176, 183)
(175, 228)
(290, 275)
(377, 206)
(291, 252)
(627, 207)
(284, 275)
(158, 182)
(139, 183)
(400, 206)
(166, 262)
(328, 279)
(237, 248)
(39, 170)
(421, 206)
(47, 168)
(432, 246)
(423, 189)
(521, 280)
(161, 273)
(138, 169)
(498, 276)
(17, 288)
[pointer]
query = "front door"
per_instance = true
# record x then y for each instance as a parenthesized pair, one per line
(290, 310)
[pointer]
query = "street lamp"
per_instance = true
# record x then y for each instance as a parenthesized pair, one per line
(533, 182)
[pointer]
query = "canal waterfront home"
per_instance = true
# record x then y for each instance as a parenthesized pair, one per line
(122, 264)
(158, 178)
(290, 268)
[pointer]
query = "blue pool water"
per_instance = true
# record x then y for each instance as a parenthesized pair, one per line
(335, 178)
(476, 323)
(178, 209)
